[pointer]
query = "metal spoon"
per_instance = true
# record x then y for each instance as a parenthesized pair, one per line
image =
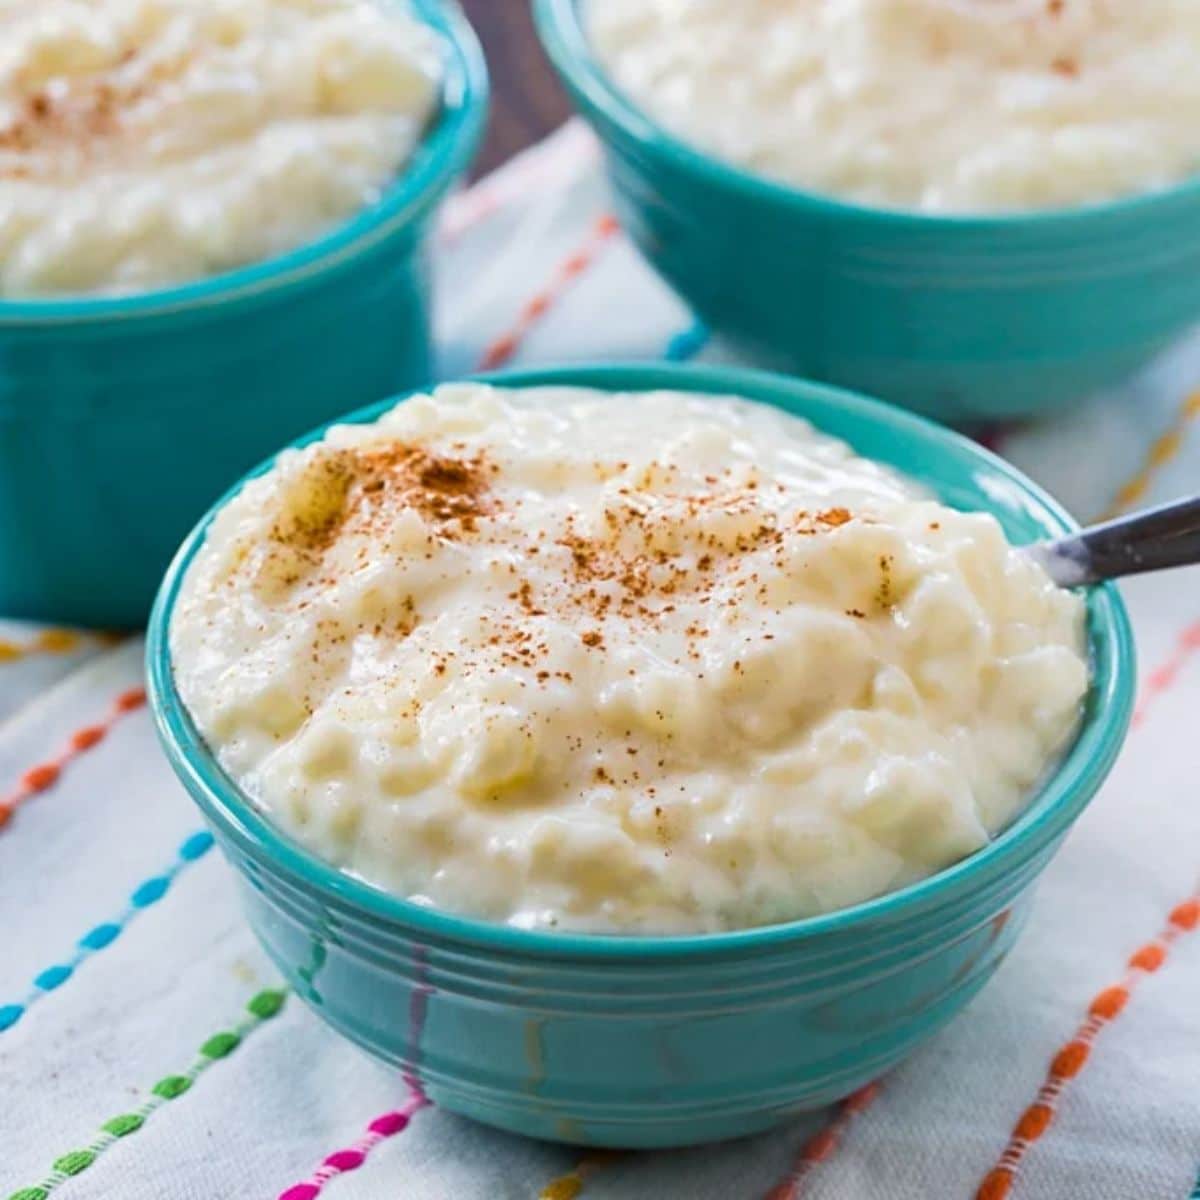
(1146, 541)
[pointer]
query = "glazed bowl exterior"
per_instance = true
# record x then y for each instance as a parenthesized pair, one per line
(963, 318)
(665, 1041)
(121, 418)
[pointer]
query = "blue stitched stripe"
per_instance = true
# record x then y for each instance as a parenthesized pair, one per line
(101, 936)
(148, 892)
(687, 343)
(197, 846)
(51, 977)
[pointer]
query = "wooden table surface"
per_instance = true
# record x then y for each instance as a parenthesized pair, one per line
(527, 101)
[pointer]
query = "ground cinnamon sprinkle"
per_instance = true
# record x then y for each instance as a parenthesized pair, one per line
(441, 488)
(628, 572)
(834, 516)
(84, 114)
(885, 593)
(650, 547)
(366, 487)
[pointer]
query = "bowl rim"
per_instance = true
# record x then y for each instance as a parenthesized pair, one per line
(439, 157)
(566, 43)
(1052, 809)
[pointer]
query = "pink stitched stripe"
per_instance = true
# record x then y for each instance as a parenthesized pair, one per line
(388, 1124)
(418, 1005)
(823, 1144)
(383, 1127)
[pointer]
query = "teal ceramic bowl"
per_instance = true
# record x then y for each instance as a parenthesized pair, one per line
(121, 418)
(962, 318)
(665, 1041)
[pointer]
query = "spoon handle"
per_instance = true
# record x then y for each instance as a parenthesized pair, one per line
(1146, 541)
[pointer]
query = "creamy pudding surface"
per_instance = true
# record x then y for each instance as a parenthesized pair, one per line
(936, 105)
(145, 143)
(621, 662)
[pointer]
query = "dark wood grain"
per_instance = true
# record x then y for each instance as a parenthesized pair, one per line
(527, 102)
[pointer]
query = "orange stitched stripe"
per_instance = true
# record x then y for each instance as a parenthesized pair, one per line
(46, 774)
(823, 1144)
(996, 1186)
(1034, 1121)
(1163, 678)
(1110, 1003)
(130, 701)
(1149, 959)
(565, 274)
(1187, 915)
(88, 736)
(1158, 456)
(1071, 1059)
(1105, 1008)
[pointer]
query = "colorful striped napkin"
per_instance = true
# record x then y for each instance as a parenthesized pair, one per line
(148, 1051)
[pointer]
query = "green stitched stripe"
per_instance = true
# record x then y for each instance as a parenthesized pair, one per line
(261, 1007)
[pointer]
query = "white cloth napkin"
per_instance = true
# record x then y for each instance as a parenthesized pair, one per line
(157, 978)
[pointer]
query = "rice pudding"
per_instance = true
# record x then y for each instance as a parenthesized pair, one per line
(937, 105)
(145, 143)
(626, 663)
